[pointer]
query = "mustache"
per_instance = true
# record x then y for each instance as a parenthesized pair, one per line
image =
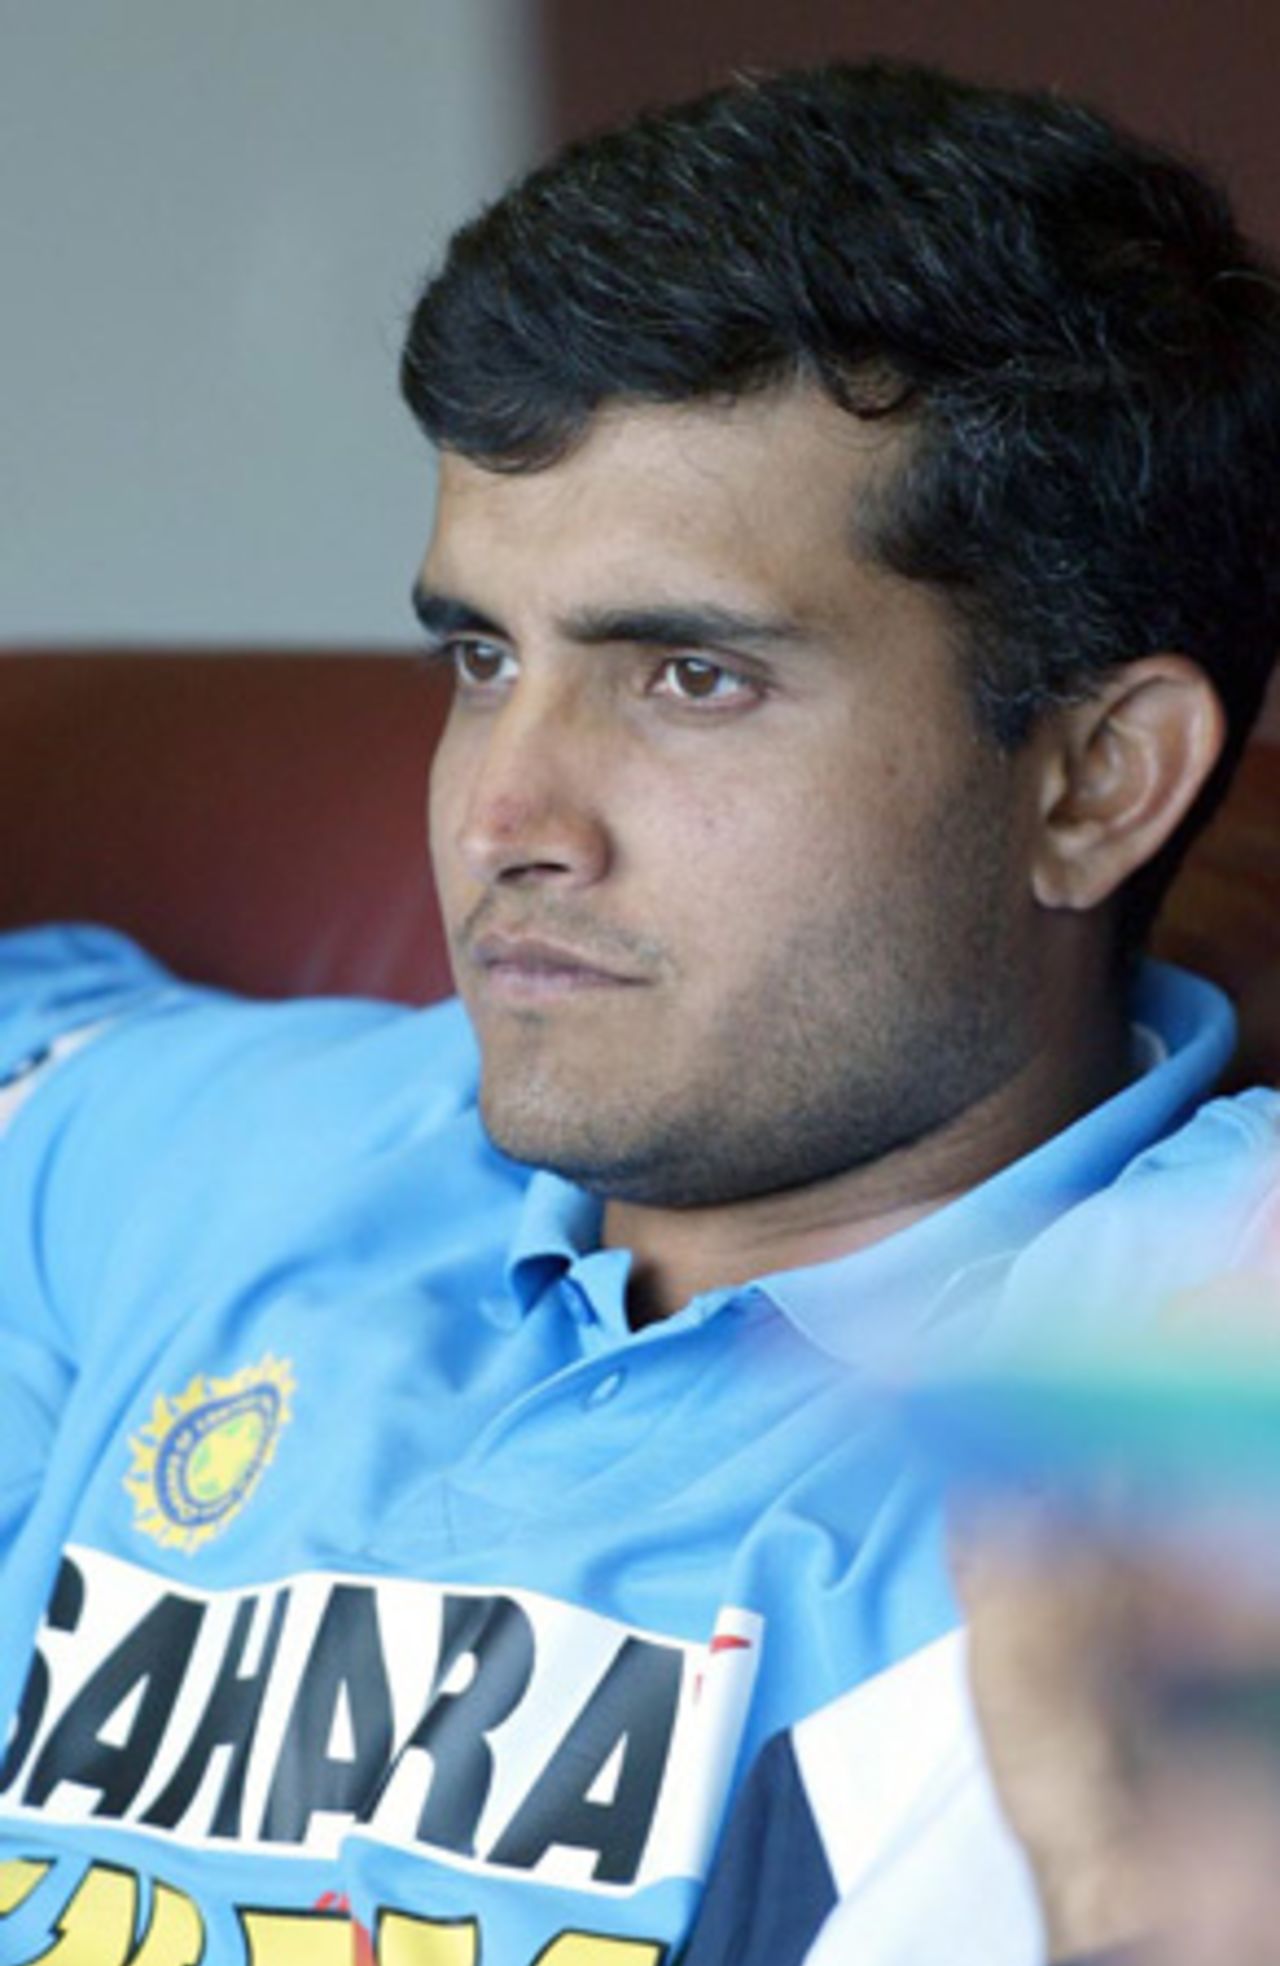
(600, 943)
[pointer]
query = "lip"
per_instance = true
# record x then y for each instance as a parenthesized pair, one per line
(537, 968)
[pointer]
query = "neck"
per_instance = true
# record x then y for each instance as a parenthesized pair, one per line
(679, 1253)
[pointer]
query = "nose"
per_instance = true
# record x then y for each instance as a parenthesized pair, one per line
(524, 786)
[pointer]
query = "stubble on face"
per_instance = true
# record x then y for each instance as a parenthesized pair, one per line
(857, 1038)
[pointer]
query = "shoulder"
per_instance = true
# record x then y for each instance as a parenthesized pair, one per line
(1220, 1172)
(144, 1117)
(1224, 1131)
(1198, 1205)
(84, 1011)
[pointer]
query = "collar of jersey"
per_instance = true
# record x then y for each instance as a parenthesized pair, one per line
(559, 1226)
(899, 1284)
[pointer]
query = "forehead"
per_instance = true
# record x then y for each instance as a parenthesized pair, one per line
(759, 499)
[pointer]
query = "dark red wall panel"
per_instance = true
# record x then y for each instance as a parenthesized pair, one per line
(1203, 75)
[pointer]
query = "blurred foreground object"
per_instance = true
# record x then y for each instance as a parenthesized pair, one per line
(1131, 1710)
(1125, 1626)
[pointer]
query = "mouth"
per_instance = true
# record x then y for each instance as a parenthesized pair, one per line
(532, 969)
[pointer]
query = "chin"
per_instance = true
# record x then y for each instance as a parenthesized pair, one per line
(528, 1126)
(581, 1146)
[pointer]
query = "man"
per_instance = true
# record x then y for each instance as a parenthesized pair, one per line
(854, 556)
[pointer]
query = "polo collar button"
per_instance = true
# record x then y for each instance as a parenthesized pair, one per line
(605, 1389)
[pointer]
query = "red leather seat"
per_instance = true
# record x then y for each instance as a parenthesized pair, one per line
(258, 820)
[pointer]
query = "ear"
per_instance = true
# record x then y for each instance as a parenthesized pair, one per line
(1119, 771)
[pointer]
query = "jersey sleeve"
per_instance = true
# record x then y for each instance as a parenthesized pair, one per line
(62, 991)
(58, 988)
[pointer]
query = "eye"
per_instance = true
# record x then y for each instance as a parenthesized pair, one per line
(479, 665)
(696, 679)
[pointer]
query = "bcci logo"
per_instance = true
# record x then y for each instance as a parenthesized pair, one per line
(202, 1453)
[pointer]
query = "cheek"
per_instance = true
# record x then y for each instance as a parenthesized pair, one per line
(847, 855)
(444, 787)
(437, 798)
(446, 781)
(743, 869)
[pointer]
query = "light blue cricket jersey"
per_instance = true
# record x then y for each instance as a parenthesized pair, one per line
(374, 1568)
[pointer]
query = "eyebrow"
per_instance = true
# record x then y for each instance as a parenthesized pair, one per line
(656, 626)
(443, 616)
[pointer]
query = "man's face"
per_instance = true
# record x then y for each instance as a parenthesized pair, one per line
(733, 885)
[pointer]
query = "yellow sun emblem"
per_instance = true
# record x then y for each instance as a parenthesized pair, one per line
(201, 1454)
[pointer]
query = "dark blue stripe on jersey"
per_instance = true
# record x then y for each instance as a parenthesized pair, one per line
(770, 1887)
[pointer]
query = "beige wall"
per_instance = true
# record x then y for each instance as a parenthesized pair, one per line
(213, 215)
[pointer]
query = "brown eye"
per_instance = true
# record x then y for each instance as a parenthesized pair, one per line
(693, 679)
(479, 665)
